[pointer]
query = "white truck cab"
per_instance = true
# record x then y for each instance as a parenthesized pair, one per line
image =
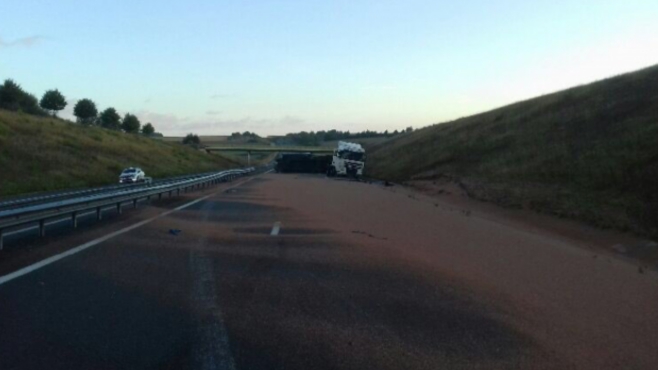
(348, 160)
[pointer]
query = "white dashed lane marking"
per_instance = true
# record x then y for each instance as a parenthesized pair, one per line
(276, 228)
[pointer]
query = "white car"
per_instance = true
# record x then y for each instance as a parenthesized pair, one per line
(131, 175)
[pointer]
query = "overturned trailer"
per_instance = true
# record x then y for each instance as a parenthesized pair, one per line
(348, 160)
(302, 163)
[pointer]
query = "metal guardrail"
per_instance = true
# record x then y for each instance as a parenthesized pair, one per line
(21, 201)
(40, 213)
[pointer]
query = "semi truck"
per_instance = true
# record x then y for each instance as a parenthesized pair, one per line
(348, 160)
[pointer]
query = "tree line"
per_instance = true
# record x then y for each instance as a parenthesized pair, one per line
(318, 137)
(249, 137)
(14, 98)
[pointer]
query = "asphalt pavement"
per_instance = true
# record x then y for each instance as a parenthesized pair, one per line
(284, 271)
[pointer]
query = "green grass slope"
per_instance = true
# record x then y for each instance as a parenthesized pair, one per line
(43, 154)
(590, 152)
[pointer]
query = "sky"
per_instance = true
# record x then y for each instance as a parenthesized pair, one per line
(279, 66)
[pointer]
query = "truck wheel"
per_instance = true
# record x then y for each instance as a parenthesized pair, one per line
(331, 172)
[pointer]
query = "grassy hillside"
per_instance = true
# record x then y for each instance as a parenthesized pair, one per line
(590, 152)
(41, 154)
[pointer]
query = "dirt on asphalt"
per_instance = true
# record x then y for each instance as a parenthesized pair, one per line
(360, 276)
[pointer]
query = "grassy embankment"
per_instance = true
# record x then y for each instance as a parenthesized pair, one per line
(43, 154)
(589, 153)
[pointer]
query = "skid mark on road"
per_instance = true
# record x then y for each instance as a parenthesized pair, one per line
(211, 350)
(228, 211)
(288, 231)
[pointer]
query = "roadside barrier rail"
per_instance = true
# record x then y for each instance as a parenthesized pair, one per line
(20, 201)
(73, 207)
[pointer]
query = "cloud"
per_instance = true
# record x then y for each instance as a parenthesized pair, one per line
(214, 112)
(383, 87)
(25, 42)
(291, 121)
(170, 124)
(67, 112)
(221, 96)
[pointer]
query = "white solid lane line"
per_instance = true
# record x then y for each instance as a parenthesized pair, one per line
(276, 228)
(26, 270)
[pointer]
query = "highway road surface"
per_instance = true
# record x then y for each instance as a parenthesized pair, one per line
(304, 272)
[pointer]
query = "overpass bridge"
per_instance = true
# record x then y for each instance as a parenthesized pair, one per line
(269, 149)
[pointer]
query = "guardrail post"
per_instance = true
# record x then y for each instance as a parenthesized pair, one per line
(170, 192)
(74, 219)
(178, 192)
(119, 208)
(99, 213)
(42, 228)
(134, 203)
(1, 238)
(159, 196)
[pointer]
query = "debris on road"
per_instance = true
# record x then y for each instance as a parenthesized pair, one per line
(367, 234)
(174, 232)
(620, 249)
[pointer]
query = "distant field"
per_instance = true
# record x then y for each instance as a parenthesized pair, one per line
(206, 140)
(218, 140)
(43, 154)
(589, 153)
(267, 148)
